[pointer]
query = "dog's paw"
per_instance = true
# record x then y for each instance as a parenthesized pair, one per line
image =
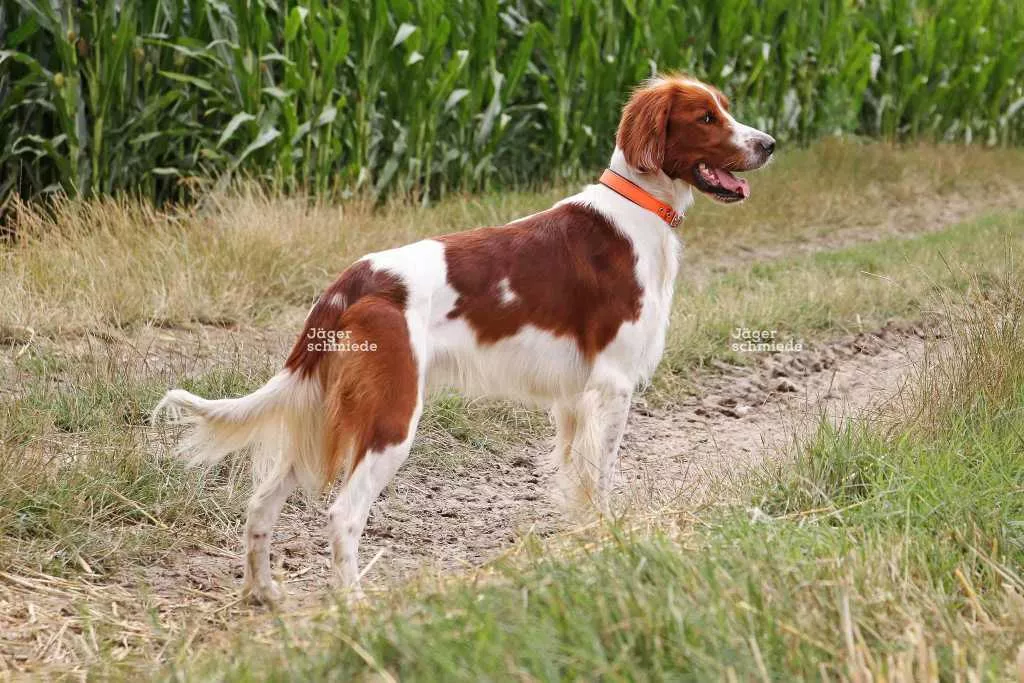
(269, 593)
(355, 596)
(350, 593)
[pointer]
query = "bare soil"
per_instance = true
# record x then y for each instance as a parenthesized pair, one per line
(442, 520)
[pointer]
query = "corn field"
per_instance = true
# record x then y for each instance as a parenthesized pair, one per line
(423, 97)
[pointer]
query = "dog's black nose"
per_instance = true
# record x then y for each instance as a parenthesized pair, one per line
(768, 145)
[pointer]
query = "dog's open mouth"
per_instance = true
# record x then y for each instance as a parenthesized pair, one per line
(720, 183)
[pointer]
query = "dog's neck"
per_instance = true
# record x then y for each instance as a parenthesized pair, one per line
(675, 193)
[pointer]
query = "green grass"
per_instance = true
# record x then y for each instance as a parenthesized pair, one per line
(890, 549)
(81, 488)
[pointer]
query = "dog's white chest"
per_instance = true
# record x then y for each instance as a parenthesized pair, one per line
(657, 308)
(639, 345)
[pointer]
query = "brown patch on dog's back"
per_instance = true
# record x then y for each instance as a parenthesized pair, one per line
(568, 271)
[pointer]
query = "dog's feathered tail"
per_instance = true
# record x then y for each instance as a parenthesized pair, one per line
(281, 424)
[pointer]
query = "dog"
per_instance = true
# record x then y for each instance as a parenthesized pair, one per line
(565, 309)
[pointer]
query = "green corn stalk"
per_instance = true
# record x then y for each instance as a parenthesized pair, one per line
(425, 97)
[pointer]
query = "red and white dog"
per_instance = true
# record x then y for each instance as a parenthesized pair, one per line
(567, 308)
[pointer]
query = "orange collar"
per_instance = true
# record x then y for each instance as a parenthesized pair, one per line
(640, 197)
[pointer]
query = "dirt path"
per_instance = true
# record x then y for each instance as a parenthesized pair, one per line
(444, 520)
(747, 417)
(440, 519)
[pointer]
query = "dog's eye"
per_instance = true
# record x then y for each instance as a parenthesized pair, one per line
(707, 118)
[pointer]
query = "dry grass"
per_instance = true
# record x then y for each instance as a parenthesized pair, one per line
(829, 293)
(984, 368)
(115, 264)
(841, 190)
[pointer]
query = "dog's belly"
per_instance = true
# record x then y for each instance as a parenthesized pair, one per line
(532, 365)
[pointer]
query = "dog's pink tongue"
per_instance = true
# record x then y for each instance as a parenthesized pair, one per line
(732, 183)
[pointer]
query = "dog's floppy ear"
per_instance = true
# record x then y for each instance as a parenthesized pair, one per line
(644, 127)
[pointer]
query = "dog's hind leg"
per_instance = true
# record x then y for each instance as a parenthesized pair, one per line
(264, 510)
(374, 400)
(350, 511)
(566, 420)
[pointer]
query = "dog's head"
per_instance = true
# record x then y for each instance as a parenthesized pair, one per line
(682, 127)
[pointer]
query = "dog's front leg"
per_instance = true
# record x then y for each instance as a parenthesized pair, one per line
(587, 474)
(615, 414)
